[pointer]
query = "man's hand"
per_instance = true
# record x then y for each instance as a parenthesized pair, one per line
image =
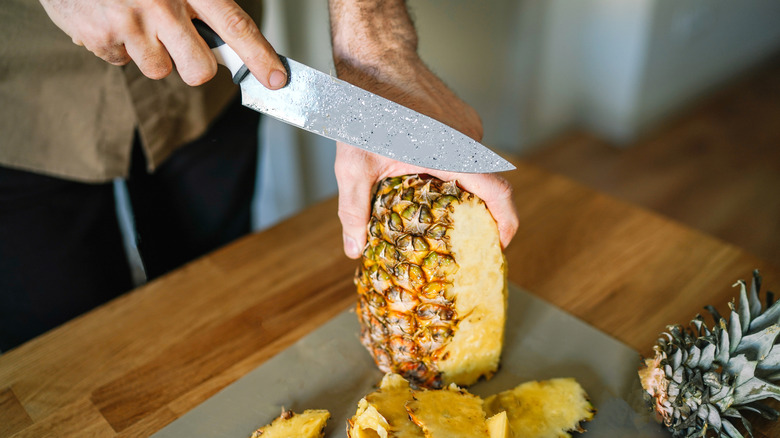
(157, 34)
(375, 47)
(357, 171)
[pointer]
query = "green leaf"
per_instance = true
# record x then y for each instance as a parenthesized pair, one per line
(755, 389)
(713, 417)
(700, 326)
(755, 287)
(735, 330)
(771, 316)
(694, 354)
(723, 398)
(676, 358)
(744, 308)
(707, 357)
(678, 375)
(723, 351)
(730, 430)
(759, 344)
(741, 368)
(770, 363)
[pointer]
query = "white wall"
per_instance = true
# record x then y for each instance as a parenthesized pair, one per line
(619, 67)
(485, 52)
(696, 45)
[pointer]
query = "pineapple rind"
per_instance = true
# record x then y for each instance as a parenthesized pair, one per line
(308, 424)
(545, 409)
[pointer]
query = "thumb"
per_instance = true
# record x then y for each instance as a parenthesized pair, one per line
(354, 202)
(353, 224)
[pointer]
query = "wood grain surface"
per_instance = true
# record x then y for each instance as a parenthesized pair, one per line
(714, 165)
(141, 361)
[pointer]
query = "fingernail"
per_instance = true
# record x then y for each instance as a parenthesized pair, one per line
(350, 247)
(277, 79)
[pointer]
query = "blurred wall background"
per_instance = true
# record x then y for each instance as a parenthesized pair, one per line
(532, 69)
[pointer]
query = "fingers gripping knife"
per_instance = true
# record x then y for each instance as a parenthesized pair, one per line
(338, 110)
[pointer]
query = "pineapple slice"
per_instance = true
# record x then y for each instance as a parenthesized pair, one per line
(382, 414)
(498, 426)
(309, 424)
(546, 409)
(549, 408)
(448, 413)
(432, 283)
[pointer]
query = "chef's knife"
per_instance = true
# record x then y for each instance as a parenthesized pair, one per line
(338, 110)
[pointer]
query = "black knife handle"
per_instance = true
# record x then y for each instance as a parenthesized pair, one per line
(215, 43)
(212, 39)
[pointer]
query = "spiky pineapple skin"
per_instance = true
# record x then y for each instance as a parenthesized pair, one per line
(419, 317)
(702, 381)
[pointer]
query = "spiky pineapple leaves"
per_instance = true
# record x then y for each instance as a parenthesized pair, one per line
(751, 342)
(713, 376)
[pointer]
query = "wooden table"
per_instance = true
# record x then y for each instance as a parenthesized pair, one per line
(143, 360)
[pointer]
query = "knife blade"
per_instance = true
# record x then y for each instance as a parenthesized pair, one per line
(335, 109)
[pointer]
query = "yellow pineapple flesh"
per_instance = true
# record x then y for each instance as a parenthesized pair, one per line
(382, 413)
(309, 424)
(498, 426)
(546, 409)
(448, 413)
(432, 283)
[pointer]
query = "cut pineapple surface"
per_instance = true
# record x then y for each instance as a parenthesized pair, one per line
(382, 413)
(481, 295)
(550, 408)
(545, 409)
(432, 283)
(309, 424)
(448, 413)
(498, 426)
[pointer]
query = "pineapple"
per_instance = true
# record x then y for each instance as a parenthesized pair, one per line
(498, 426)
(546, 409)
(309, 424)
(701, 381)
(432, 283)
(448, 413)
(531, 410)
(382, 412)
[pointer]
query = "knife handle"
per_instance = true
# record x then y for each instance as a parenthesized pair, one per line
(224, 54)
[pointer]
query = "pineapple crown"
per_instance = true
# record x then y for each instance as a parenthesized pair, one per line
(702, 380)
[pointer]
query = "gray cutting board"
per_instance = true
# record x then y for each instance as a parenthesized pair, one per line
(330, 369)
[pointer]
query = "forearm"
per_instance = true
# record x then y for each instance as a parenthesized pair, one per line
(367, 34)
(375, 47)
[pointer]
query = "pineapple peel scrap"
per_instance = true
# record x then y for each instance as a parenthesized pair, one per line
(699, 377)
